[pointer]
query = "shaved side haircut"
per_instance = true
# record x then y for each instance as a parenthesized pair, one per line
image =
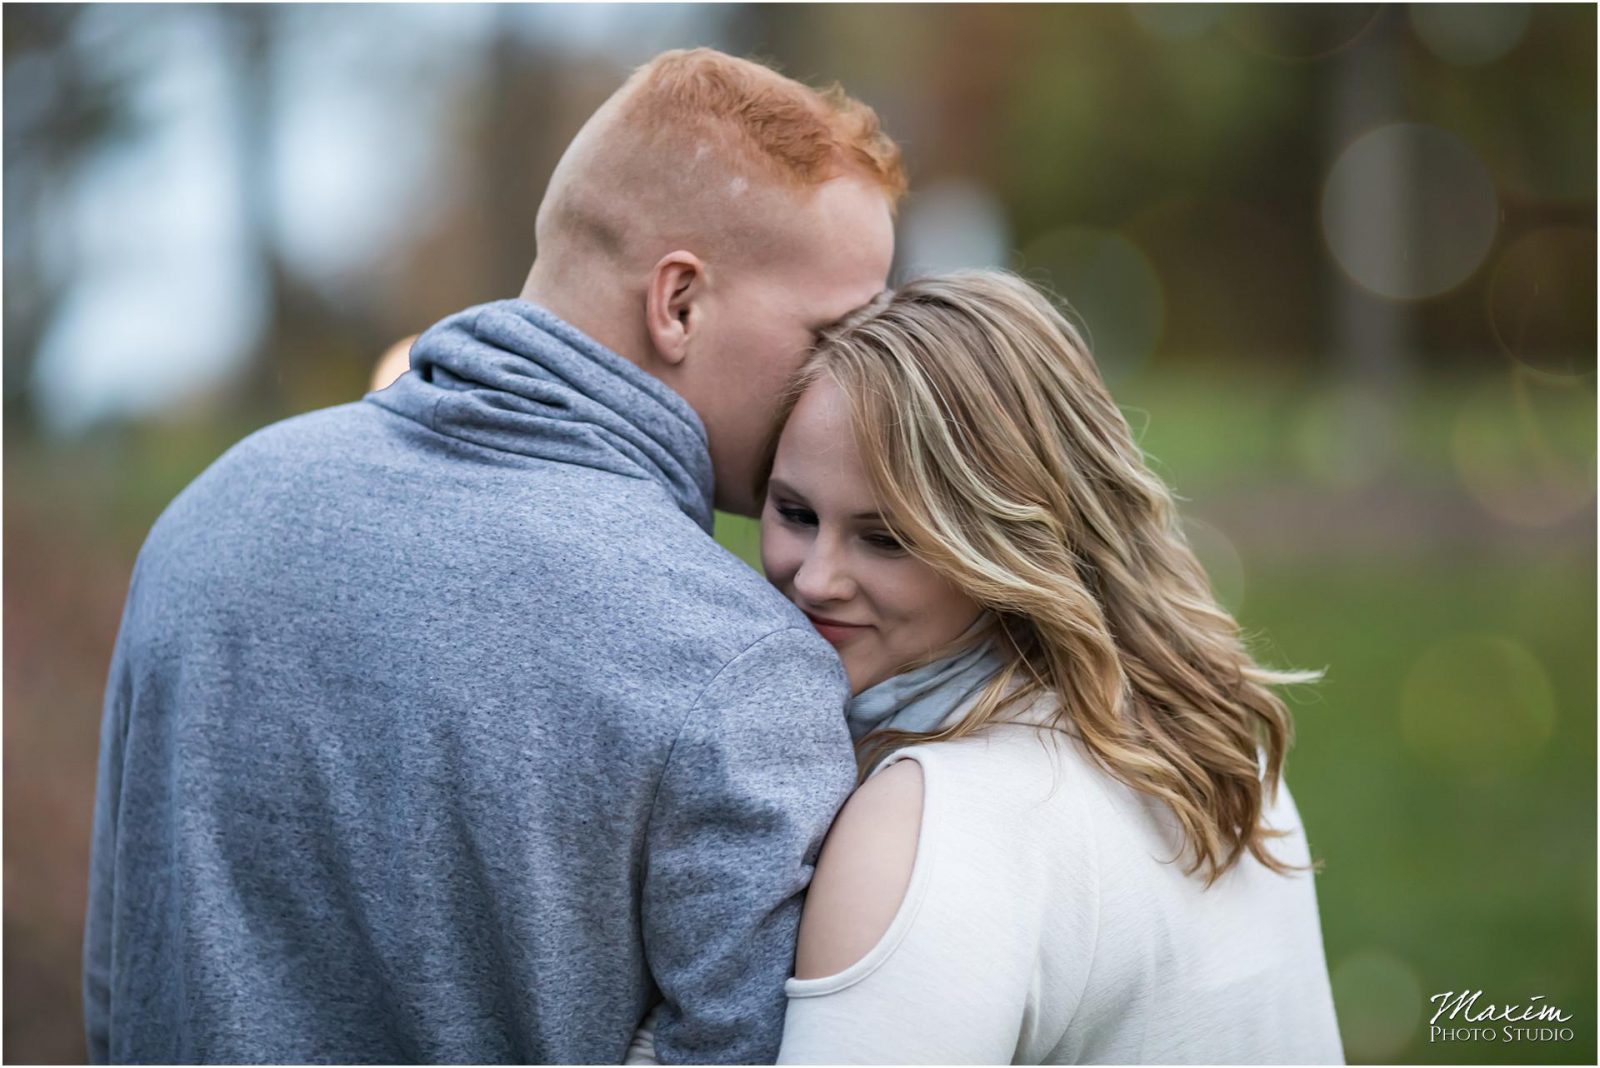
(695, 148)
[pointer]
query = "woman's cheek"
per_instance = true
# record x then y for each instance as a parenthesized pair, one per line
(779, 555)
(891, 582)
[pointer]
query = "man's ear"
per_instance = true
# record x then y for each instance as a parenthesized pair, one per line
(672, 306)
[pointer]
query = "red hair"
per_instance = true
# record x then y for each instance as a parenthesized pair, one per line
(799, 135)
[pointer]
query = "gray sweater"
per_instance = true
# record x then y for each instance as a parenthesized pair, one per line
(439, 729)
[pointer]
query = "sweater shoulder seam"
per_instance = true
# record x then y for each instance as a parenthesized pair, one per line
(694, 707)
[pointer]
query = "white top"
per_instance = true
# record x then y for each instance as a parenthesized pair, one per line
(1044, 925)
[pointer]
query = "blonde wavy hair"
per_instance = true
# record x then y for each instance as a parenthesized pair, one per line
(1000, 460)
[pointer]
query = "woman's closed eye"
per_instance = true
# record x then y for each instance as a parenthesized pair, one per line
(798, 516)
(885, 542)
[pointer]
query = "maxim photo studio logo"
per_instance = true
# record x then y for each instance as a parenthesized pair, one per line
(1458, 1017)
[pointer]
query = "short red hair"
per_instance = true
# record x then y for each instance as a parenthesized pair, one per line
(799, 135)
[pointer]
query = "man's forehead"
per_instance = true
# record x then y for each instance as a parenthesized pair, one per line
(845, 302)
(850, 217)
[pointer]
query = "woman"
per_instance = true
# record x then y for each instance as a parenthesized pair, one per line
(1063, 849)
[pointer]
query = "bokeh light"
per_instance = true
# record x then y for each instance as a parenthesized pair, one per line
(951, 224)
(1542, 301)
(1223, 564)
(1520, 453)
(1112, 289)
(1299, 32)
(1380, 1004)
(1177, 22)
(1409, 211)
(111, 352)
(1469, 34)
(1478, 705)
(1347, 436)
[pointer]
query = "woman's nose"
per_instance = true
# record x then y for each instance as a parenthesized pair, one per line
(822, 575)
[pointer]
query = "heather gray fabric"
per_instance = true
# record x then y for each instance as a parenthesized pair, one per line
(438, 729)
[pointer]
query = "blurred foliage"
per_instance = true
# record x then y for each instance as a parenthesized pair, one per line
(1401, 493)
(1202, 134)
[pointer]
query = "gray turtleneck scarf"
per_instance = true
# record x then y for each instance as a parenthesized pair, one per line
(922, 699)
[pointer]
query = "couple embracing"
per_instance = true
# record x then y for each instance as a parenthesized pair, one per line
(440, 729)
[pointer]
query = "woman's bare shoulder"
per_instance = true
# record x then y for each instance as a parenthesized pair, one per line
(863, 872)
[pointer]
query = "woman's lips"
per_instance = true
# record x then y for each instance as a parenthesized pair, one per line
(835, 631)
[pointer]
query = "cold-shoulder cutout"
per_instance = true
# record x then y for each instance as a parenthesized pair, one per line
(863, 872)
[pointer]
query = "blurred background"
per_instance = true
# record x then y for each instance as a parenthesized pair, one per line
(1337, 262)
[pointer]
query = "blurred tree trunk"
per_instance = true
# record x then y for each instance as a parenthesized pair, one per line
(251, 30)
(85, 107)
(310, 352)
(515, 163)
(1373, 337)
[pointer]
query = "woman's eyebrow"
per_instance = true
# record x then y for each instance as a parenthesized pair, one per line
(778, 485)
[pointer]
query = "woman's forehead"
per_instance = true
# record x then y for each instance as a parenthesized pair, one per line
(817, 452)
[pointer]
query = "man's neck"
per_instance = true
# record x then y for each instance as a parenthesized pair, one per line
(588, 312)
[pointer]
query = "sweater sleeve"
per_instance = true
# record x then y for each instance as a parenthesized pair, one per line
(955, 977)
(753, 781)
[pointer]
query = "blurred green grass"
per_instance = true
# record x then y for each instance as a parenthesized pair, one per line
(1468, 882)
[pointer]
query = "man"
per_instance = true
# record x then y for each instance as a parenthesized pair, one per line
(438, 727)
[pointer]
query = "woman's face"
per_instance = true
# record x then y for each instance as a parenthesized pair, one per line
(825, 546)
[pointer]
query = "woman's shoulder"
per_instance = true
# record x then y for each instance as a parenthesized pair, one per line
(937, 835)
(863, 873)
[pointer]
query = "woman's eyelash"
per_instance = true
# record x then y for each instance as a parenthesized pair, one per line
(805, 517)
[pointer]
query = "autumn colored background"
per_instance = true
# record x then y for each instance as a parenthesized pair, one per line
(1338, 264)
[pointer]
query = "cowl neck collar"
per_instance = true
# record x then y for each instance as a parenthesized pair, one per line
(923, 698)
(511, 376)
